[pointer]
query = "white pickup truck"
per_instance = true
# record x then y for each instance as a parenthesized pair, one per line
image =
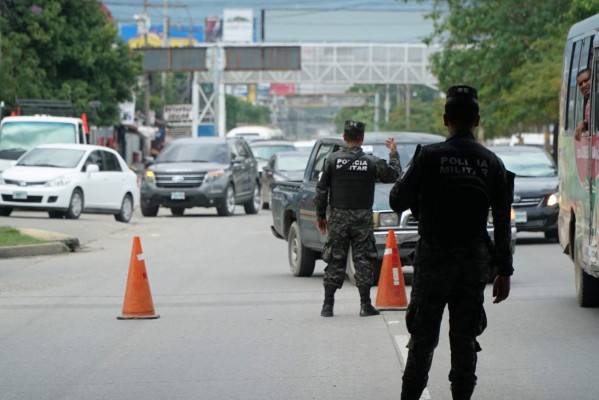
(21, 133)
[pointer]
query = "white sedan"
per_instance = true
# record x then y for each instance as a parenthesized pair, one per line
(69, 179)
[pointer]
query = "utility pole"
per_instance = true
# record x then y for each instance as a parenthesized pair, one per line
(165, 43)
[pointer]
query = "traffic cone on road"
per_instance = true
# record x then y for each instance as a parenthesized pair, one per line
(391, 292)
(138, 302)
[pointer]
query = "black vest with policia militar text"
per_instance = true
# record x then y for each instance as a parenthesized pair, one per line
(352, 180)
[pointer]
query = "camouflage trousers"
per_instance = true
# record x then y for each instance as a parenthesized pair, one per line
(349, 228)
(455, 276)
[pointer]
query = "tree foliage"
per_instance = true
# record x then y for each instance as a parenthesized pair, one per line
(241, 112)
(65, 49)
(511, 51)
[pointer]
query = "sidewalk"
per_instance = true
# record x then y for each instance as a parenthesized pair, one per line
(55, 243)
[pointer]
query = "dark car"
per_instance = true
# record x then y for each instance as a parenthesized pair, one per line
(283, 166)
(202, 172)
(536, 197)
(263, 150)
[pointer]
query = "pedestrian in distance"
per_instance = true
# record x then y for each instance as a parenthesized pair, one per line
(583, 80)
(449, 187)
(346, 190)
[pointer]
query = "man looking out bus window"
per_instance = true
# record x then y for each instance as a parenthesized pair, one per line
(583, 80)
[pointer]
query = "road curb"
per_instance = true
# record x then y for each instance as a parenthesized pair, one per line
(56, 243)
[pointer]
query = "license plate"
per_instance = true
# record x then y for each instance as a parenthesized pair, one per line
(19, 196)
(177, 195)
(521, 217)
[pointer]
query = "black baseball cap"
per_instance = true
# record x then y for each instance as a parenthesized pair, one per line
(462, 93)
(354, 127)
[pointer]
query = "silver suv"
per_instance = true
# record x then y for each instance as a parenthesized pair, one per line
(202, 172)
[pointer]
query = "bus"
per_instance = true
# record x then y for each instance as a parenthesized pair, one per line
(578, 159)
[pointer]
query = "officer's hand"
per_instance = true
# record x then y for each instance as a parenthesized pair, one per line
(322, 225)
(390, 143)
(501, 288)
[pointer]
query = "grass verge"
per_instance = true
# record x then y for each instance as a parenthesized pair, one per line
(10, 236)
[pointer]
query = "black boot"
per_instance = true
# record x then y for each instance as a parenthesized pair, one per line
(461, 393)
(366, 308)
(329, 301)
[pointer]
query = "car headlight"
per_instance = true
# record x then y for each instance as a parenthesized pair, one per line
(149, 176)
(386, 219)
(553, 200)
(60, 181)
(214, 175)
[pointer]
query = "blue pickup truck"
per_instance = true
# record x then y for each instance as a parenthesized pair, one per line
(294, 213)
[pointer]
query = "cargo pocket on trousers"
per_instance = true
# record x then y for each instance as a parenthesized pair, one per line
(372, 252)
(326, 252)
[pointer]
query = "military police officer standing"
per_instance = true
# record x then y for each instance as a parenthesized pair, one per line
(450, 186)
(347, 185)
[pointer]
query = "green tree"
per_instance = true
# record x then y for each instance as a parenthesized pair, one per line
(65, 49)
(241, 112)
(511, 50)
(424, 113)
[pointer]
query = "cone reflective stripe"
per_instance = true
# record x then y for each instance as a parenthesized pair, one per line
(138, 302)
(391, 292)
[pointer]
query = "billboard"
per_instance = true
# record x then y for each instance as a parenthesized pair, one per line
(337, 25)
(238, 25)
(214, 29)
(177, 36)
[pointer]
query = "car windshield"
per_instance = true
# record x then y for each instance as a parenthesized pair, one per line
(195, 152)
(405, 150)
(25, 135)
(52, 157)
(293, 162)
(265, 152)
(532, 162)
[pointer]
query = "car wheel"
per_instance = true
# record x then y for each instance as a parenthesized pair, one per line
(228, 207)
(587, 287)
(75, 205)
(126, 210)
(56, 214)
(5, 211)
(253, 205)
(148, 209)
(351, 269)
(177, 211)
(301, 259)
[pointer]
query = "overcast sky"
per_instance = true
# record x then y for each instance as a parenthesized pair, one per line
(184, 11)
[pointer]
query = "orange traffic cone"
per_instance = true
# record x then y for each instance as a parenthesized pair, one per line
(138, 299)
(391, 293)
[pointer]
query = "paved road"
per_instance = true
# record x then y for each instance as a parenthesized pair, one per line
(236, 325)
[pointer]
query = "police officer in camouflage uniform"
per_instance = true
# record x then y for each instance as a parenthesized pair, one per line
(450, 186)
(347, 185)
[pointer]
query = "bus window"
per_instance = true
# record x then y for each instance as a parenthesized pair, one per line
(573, 89)
(595, 95)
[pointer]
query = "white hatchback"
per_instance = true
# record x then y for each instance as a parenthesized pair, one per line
(69, 179)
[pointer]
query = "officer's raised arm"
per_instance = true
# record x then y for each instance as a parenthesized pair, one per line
(388, 173)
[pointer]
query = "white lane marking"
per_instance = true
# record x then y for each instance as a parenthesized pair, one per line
(393, 322)
(402, 342)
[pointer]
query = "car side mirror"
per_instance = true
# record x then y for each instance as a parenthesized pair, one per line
(92, 168)
(238, 160)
